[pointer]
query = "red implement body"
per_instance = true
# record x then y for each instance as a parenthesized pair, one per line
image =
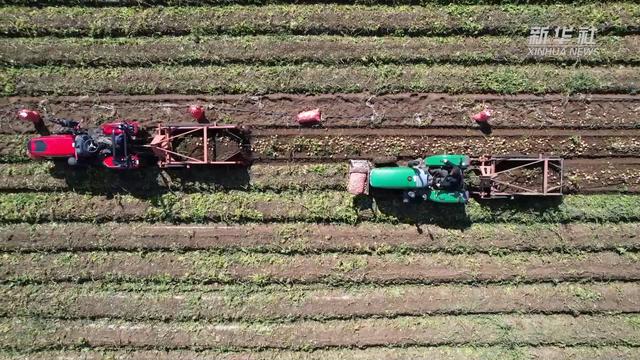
(200, 144)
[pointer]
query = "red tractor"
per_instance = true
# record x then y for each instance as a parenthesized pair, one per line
(120, 145)
(109, 146)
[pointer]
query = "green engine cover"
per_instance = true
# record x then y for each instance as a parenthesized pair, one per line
(401, 177)
(438, 160)
(447, 197)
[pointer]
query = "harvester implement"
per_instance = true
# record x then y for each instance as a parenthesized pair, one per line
(200, 144)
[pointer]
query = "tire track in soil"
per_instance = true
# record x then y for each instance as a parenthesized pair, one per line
(340, 110)
(206, 268)
(532, 330)
(312, 238)
(295, 303)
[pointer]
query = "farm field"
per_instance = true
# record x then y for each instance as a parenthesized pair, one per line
(278, 260)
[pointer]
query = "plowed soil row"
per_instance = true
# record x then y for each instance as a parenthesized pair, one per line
(270, 50)
(306, 238)
(327, 206)
(407, 353)
(410, 144)
(294, 302)
(314, 78)
(413, 144)
(433, 330)
(202, 267)
(611, 18)
(341, 110)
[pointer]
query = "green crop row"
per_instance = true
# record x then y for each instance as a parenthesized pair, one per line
(246, 302)
(237, 79)
(305, 238)
(45, 176)
(147, 3)
(237, 206)
(608, 18)
(275, 50)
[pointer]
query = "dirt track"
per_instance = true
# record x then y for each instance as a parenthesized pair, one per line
(342, 110)
(408, 353)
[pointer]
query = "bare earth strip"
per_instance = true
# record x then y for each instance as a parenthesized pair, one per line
(297, 302)
(432, 330)
(311, 238)
(203, 267)
(407, 353)
(340, 110)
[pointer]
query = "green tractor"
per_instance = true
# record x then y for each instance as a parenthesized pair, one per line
(438, 178)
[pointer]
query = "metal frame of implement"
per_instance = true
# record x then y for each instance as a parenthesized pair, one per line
(163, 147)
(492, 168)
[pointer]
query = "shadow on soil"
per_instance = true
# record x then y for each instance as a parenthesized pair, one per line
(453, 216)
(150, 181)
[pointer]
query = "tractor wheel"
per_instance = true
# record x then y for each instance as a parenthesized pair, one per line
(385, 161)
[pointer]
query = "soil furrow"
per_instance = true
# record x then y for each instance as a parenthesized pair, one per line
(292, 302)
(407, 353)
(202, 267)
(619, 18)
(312, 238)
(433, 330)
(340, 110)
(271, 50)
(315, 78)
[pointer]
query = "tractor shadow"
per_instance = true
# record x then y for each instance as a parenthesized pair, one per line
(150, 181)
(389, 206)
(542, 208)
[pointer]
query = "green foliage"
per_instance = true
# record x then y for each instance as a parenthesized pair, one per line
(613, 18)
(328, 79)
